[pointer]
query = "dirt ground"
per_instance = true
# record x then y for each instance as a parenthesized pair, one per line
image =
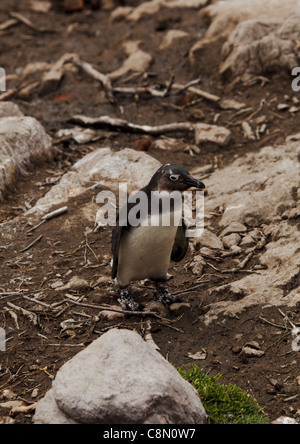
(41, 341)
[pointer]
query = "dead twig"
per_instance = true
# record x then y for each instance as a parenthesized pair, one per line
(36, 241)
(126, 312)
(21, 18)
(8, 94)
(8, 24)
(23, 409)
(146, 90)
(102, 78)
(120, 124)
(49, 216)
(55, 213)
(199, 92)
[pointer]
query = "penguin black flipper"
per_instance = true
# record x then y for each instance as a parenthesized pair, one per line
(181, 244)
(116, 238)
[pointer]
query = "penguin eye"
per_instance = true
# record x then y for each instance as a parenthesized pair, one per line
(174, 177)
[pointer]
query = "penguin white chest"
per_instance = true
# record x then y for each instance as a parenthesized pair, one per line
(145, 252)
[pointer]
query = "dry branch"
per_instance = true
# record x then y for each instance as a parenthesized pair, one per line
(102, 78)
(148, 90)
(36, 241)
(203, 132)
(126, 312)
(49, 216)
(21, 18)
(120, 124)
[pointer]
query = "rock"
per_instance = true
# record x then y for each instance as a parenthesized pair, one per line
(285, 420)
(137, 61)
(248, 131)
(254, 185)
(252, 352)
(294, 213)
(171, 35)
(260, 35)
(102, 166)
(119, 379)
(10, 109)
(211, 133)
(209, 240)
(156, 307)
(35, 393)
(256, 47)
(11, 404)
(247, 240)
(208, 252)
(197, 265)
(198, 356)
(111, 315)
(76, 283)
(225, 16)
(232, 240)
(110, 169)
(233, 228)
(23, 141)
(179, 307)
(48, 412)
(78, 134)
(8, 394)
(57, 284)
(261, 186)
(51, 79)
(7, 420)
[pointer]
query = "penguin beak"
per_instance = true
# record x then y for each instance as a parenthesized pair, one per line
(194, 183)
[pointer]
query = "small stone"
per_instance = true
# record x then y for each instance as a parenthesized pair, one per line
(234, 227)
(7, 394)
(197, 265)
(252, 352)
(6, 420)
(179, 307)
(76, 283)
(212, 133)
(35, 393)
(112, 315)
(284, 420)
(209, 240)
(232, 240)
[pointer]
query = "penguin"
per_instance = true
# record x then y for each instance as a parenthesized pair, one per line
(144, 248)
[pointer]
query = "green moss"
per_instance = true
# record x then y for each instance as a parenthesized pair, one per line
(224, 404)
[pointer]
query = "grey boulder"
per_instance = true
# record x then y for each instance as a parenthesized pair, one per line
(120, 379)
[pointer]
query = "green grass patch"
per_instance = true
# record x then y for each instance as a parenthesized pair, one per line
(224, 404)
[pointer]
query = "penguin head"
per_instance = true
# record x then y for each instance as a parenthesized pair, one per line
(174, 177)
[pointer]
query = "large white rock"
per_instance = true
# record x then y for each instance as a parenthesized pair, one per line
(120, 379)
(261, 35)
(104, 167)
(257, 47)
(133, 167)
(261, 187)
(227, 14)
(255, 185)
(23, 141)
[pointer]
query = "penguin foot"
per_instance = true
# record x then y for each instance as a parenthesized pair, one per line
(163, 295)
(127, 303)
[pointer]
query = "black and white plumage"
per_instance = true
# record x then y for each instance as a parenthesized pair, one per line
(145, 251)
